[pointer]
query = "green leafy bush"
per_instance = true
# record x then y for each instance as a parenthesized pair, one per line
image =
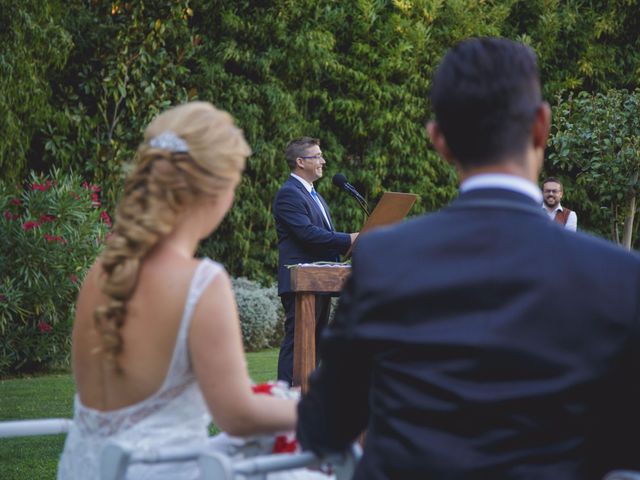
(595, 139)
(261, 314)
(51, 230)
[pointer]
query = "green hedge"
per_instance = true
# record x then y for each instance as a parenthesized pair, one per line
(81, 79)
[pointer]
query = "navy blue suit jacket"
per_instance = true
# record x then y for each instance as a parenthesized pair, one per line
(482, 342)
(303, 234)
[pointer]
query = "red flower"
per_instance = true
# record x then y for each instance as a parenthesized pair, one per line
(285, 444)
(46, 218)
(15, 201)
(73, 278)
(7, 215)
(57, 238)
(85, 185)
(94, 188)
(263, 388)
(44, 327)
(43, 187)
(95, 199)
(104, 216)
(30, 225)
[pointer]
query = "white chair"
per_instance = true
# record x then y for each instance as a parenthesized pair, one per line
(28, 428)
(216, 466)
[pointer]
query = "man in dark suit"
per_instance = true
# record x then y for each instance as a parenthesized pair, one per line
(483, 341)
(305, 235)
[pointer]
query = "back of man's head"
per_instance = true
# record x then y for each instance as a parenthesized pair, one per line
(485, 95)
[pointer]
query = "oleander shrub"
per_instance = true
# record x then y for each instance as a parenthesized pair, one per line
(261, 314)
(51, 230)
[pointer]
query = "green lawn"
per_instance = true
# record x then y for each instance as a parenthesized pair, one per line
(29, 458)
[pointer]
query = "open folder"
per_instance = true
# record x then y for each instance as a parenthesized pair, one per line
(392, 207)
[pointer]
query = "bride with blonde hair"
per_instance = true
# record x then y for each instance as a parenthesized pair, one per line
(156, 340)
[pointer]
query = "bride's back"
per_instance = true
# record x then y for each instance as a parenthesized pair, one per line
(149, 331)
(131, 303)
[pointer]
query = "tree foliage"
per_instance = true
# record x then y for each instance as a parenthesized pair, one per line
(354, 74)
(33, 45)
(596, 140)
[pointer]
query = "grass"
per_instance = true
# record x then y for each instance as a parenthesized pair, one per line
(52, 396)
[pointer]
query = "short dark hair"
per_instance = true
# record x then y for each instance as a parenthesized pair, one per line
(554, 180)
(485, 94)
(298, 148)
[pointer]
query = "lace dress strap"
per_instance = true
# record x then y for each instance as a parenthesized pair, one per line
(205, 272)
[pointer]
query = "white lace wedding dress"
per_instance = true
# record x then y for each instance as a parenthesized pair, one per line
(176, 415)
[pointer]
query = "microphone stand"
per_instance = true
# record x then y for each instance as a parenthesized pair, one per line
(359, 198)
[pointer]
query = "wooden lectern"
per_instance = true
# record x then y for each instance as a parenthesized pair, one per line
(309, 279)
(306, 281)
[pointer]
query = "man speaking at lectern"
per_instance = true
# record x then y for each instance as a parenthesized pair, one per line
(305, 235)
(483, 341)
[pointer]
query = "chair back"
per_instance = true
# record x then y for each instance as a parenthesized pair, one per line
(216, 466)
(29, 428)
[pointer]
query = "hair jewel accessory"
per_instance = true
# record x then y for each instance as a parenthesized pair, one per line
(169, 141)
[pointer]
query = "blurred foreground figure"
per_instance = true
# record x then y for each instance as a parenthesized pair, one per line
(484, 341)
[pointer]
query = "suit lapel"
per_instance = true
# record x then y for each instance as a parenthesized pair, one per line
(313, 203)
(326, 209)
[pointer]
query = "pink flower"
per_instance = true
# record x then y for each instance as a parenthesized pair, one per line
(15, 201)
(104, 216)
(94, 188)
(95, 199)
(30, 225)
(85, 184)
(73, 279)
(7, 215)
(44, 327)
(43, 187)
(46, 218)
(57, 238)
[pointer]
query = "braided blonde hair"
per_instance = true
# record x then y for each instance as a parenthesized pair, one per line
(162, 185)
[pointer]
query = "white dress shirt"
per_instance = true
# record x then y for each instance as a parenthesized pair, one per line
(502, 180)
(572, 221)
(309, 187)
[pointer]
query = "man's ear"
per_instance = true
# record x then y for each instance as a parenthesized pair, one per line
(300, 163)
(541, 126)
(439, 142)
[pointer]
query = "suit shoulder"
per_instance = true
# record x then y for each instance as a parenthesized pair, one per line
(596, 247)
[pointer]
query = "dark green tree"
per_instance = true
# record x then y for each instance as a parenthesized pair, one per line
(33, 46)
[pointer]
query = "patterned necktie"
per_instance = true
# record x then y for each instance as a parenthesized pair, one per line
(314, 194)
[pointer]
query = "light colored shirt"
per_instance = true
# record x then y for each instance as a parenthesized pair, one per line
(502, 180)
(309, 187)
(572, 220)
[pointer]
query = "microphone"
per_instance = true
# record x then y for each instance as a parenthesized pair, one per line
(340, 181)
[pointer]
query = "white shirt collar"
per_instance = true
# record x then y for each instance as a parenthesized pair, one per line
(307, 185)
(502, 180)
(558, 208)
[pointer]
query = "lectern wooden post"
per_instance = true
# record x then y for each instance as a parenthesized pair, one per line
(306, 281)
